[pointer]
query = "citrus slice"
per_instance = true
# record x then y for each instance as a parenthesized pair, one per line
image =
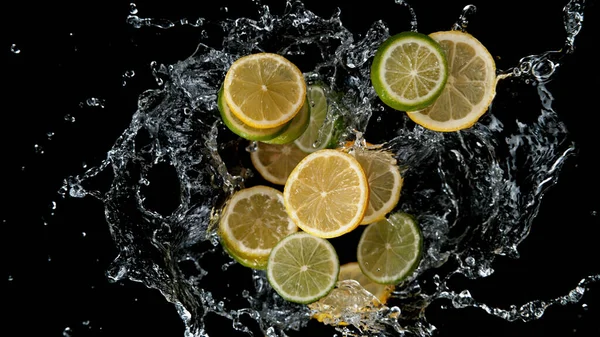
(295, 128)
(471, 84)
(264, 90)
(327, 193)
(390, 250)
(347, 299)
(409, 71)
(252, 223)
(320, 130)
(276, 162)
(239, 128)
(385, 181)
(303, 268)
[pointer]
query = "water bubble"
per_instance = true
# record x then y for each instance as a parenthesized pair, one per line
(95, 102)
(14, 49)
(470, 261)
(129, 74)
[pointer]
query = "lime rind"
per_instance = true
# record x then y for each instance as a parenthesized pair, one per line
(322, 248)
(239, 128)
(395, 224)
(295, 128)
(382, 88)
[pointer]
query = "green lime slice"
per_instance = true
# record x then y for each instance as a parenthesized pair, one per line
(303, 268)
(409, 71)
(239, 128)
(295, 129)
(390, 250)
(320, 133)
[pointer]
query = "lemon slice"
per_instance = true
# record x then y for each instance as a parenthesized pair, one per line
(327, 193)
(303, 268)
(320, 131)
(471, 85)
(252, 223)
(385, 181)
(264, 90)
(349, 299)
(390, 250)
(276, 162)
(236, 126)
(409, 71)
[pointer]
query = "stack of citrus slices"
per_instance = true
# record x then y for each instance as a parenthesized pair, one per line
(444, 82)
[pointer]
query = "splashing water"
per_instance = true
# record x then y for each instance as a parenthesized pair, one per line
(474, 192)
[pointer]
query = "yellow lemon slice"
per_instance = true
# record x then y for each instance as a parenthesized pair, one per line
(327, 193)
(264, 90)
(252, 223)
(276, 162)
(470, 88)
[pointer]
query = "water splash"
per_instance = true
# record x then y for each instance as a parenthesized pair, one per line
(474, 192)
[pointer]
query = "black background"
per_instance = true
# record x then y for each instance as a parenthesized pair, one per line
(54, 274)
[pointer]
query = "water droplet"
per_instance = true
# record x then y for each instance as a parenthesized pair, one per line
(594, 213)
(53, 205)
(14, 49)
(49, 258)
(38, 149)
(95, 102)
(69, 118)
(83, 234)
(462, 22)
(470, 261)
(50, 135)
(129, 74)
(67, 332)
(584, 306)
(225, 9)
(133, 8)
(10, 278)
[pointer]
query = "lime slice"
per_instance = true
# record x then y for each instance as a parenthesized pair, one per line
(295, 128)
(239, 128)
(320, 131)
(264, 90)
(252, 223)
(409, 71)
(303, 268)
(390, 250)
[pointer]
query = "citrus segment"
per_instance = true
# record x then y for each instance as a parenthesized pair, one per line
(409, 71)
(276, 162)
(390, 250)
(239, 128)
(264, 90)
(471, 84)
(327, 193)
(253, 222)
(303, 268)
